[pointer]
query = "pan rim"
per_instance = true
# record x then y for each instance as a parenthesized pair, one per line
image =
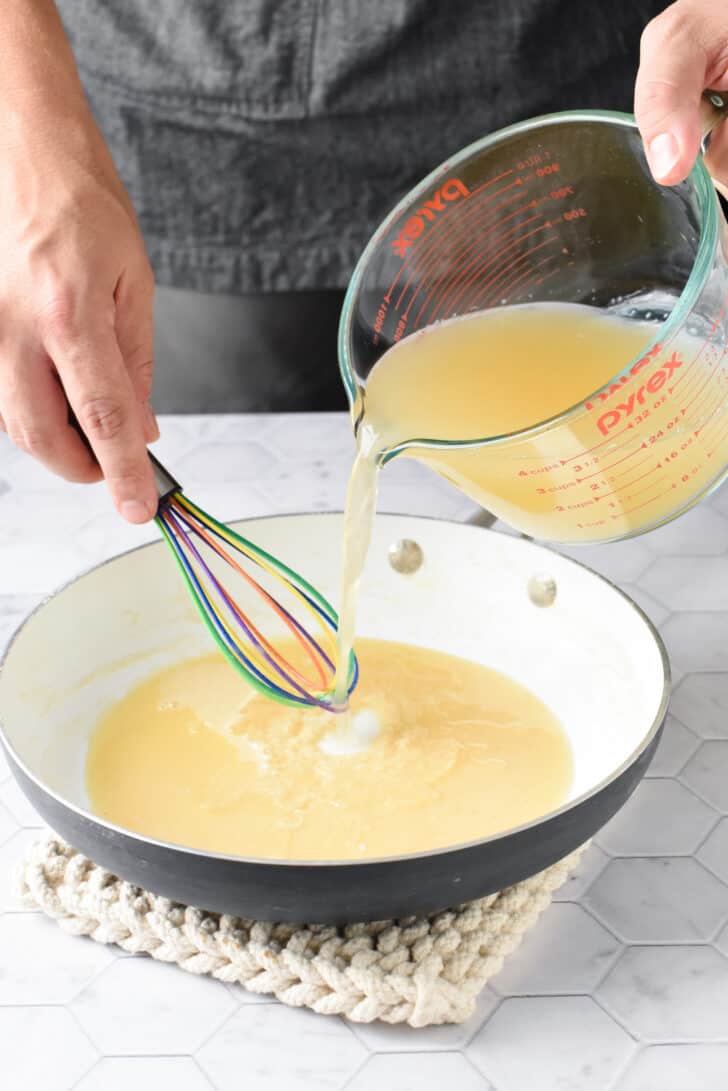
(493, 839)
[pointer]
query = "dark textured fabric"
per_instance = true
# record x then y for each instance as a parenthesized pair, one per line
(263, 140)
(271, 352)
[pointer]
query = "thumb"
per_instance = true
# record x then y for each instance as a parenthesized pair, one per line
(670, 81)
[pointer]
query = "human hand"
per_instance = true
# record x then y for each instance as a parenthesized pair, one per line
(75, 283)
(683, 51)
(76, 316)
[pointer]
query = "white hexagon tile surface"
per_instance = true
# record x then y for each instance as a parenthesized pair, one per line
(677, 745)
(138, 1006)
(700, 702)
(559, 1043)
(569, 952)
(268, 1042)
(154, 1073)
(622, 985)
(714, 851)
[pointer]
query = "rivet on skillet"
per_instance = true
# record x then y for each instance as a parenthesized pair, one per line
(405, 556)
(542, 589)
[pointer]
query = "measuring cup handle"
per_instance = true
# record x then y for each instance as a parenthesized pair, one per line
(481, 518)
(713, 110)
(484, 518)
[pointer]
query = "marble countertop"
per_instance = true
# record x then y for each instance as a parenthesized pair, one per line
(623, 984)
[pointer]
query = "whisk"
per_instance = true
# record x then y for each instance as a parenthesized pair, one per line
(196, 539)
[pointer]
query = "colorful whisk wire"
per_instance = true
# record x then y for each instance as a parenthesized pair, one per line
(196, 539)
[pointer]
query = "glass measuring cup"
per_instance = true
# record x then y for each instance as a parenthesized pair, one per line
(563, 208)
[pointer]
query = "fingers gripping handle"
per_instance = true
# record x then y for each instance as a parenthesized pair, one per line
(164, 483)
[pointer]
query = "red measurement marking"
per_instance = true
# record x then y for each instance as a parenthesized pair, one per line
(699, 354)
(721, 396)
(610, 439)
(448, 308)
(721, 365)
(641, 477)
(650, 485)
(547, 275)
(692, 385)
(707, 402)
(482, 290)
(517, 265)
(686, 405)
(464, 225)
(623, 446)
(606, 469)
(631, 469)
(479, 259)
(505, 290)
(473, 193)
(537, 280)
(492, 181)
(704, 344)
(700, 350)
(462, 233)
(475, 259)
(460, 249)
(710, 423)
(644, 505)
(631, 495)
(714, 407)
(717, 440)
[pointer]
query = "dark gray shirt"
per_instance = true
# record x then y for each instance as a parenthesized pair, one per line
(263, 140)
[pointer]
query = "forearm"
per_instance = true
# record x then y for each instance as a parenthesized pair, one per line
(39, 84)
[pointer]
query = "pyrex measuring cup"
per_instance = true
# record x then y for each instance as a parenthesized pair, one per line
(563, 208)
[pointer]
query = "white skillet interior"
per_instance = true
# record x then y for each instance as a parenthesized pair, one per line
(592, 657)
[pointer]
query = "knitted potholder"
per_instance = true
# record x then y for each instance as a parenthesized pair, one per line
(416, 970)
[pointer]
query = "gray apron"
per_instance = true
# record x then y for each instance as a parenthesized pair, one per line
(263, 140)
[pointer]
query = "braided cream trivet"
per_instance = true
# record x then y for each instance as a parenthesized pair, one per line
(416, 970)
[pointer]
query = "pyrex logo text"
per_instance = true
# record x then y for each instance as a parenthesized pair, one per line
(656, 381)
(450, 191)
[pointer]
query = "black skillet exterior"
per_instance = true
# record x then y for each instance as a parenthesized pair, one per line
(339, 893)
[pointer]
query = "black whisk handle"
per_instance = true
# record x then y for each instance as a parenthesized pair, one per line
(163, 479)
